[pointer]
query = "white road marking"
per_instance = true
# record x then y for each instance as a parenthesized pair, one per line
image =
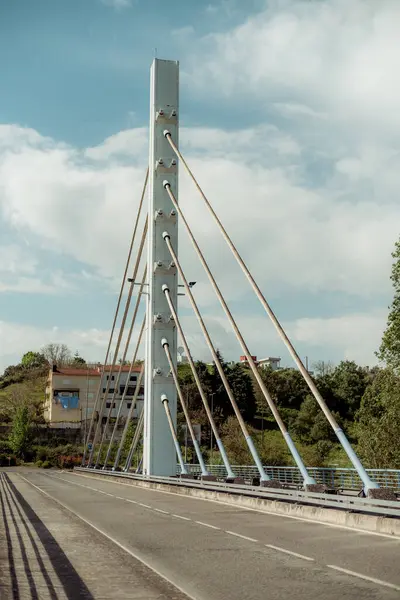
(111, 539)
(361, 576)
(279, 549)
(207, 525)
(244, 537)
(394, 538)
(165, 512)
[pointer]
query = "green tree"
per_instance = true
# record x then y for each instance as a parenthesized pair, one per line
(378, 422)
(78, 361)
(287, 389)
(389, 351)
(21, 436)
(32, 360)
(311, 425)
(348, 383)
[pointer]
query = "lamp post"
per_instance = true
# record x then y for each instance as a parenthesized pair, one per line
(211, 437)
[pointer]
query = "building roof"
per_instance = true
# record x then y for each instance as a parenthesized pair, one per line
(75, 372)
(93, 372)
(124, 369)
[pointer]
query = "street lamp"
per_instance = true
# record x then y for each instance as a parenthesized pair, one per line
(211, 436)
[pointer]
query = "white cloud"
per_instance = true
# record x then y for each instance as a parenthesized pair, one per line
(312, 204)
(328, 238)
(117, 4)
(28, 285)
(343, 56)
(16, 260)
(91, 343)
(352, 336)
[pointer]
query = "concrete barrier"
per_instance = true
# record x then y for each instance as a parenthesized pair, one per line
(329, 516)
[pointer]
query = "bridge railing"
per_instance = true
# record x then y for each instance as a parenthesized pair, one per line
(334, 477)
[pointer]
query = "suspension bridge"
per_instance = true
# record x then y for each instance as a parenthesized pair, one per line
(164, 529)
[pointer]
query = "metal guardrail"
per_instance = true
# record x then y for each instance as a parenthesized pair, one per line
(348, 503)
(338, 478)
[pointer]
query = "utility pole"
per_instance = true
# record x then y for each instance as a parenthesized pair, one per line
(159, 454)
(211, 433)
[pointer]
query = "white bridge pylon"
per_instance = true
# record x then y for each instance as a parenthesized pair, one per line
(159, 453)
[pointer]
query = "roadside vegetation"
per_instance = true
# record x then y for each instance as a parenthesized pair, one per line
(364, 399)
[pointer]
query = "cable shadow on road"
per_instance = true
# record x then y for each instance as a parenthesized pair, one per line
(74, 586)
(42, 567)
(11, 562)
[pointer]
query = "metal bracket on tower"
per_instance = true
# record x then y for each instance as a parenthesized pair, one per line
(166, 167)
(160, 215)
(164, 267)
(167, 114)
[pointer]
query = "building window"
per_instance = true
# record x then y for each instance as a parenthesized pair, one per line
(130, 390)
(129, 404)
(132, 378)
(90, 395)
(108, 404)
(92, 382)
(111, 390)
(104, 390)
(112, 377)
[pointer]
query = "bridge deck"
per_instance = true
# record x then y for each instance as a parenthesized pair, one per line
(209, 550)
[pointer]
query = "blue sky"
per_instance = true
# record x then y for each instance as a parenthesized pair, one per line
(289, 116)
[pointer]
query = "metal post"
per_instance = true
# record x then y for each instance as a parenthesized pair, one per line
(158, 447)
(211, 434)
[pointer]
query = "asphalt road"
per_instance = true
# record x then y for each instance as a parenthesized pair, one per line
(72, 536)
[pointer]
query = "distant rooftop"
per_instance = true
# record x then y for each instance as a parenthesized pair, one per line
(92, 371)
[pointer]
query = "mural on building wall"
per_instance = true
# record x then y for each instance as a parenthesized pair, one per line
(67, 400)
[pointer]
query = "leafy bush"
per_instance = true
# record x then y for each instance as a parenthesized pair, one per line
(46, 464)
(39, 463)
(69, 462)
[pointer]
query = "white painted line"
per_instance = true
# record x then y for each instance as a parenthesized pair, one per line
(279, 549)
(144, 505)
(207, 525)
(183, 518)
(237, 507)
(165, 512)
(128, 500)
(244, 537)
(360, 576)
(111, 539)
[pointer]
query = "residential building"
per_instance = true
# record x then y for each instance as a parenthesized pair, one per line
(243, 359)
(271, 361)
(119, 392)
(71, 393)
